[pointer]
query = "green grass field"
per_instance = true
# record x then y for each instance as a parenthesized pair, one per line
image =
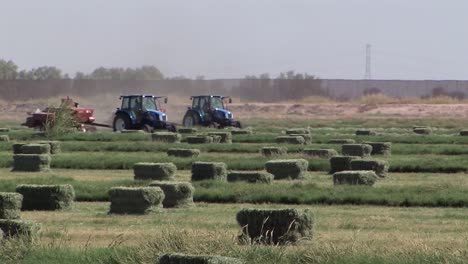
(418, 214)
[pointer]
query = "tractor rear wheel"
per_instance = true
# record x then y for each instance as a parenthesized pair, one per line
(190, 120)
(148, 129)
(121, 122)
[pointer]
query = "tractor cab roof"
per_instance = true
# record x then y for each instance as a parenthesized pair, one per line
(142, 95)
(197, 96)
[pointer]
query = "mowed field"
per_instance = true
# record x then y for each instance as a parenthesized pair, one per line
(417, 214)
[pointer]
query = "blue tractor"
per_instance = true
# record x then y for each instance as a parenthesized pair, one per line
(209, 111)
(141, 111)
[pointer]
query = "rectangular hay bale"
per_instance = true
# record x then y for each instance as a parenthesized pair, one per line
(4, 138)
(46, 197)
(250, 176)
(290, 140)
(364, 132)
(187, 130)
(192, 259)
(287, 169)
(133, 200)
(292, 131)
(10, 205)
(275, 226)
(341, 163)
(209, 171)
(380, 148)
(55, 146)
(166, 137)
(422, 130)
(226, 137)
(176, 194)
(241, 132)
(35, 149)
(464, 132)
(184, 153)
(17, 148)
(31, 162)
(154, 171)
(273, 151)
(361, 150)
(380, 167)
(4, 129)
(321, 153)
(307, 137)
(13, 228)
(200, 139)
(360, 177)
(341, 141)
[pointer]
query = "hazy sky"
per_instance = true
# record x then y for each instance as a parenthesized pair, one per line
(411, 39)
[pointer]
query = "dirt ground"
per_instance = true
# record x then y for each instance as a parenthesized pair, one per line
(17, 111)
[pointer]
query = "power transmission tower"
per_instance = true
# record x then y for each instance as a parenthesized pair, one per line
(368, 74)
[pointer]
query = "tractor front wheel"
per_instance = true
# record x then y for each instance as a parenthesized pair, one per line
(190, 120)
(121, 122)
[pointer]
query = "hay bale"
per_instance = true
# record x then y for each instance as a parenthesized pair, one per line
(31, 162)
(200, 139)
(307, 137)
(341, 163)
(273, 151)
(275, 226)
(380, 167)
(361, 150)
(4, 129)
(464, 132)
(186, 130)
(184, 153)
(225, 137)
(154, 171)
(166, 137)
(13, 228)
(355, 177)
(341, 141)
(35, 149)
(293, 131)
(55, 146)
(192, 259)
(216, 138)
(364, 132)
(241, 132)
(287, 169)
(4, 138)
(422, 130)
(380, 148)
(209, 171)
(17, 148)
(10, 205)
(134, 131)
(141, 200)
(176, 194)
(46, 197)
(321, 153)
(250, 176)
(290, 140)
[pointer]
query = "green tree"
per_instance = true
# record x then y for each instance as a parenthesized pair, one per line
(8, 70)
(47, 73)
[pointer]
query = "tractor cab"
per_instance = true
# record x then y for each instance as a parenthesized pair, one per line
(211, 111)
(141, 111)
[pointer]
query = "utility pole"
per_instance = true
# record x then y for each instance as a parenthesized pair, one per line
(368, 74)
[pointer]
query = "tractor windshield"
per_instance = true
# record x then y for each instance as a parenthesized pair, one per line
(149, 103)
(217, 102)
